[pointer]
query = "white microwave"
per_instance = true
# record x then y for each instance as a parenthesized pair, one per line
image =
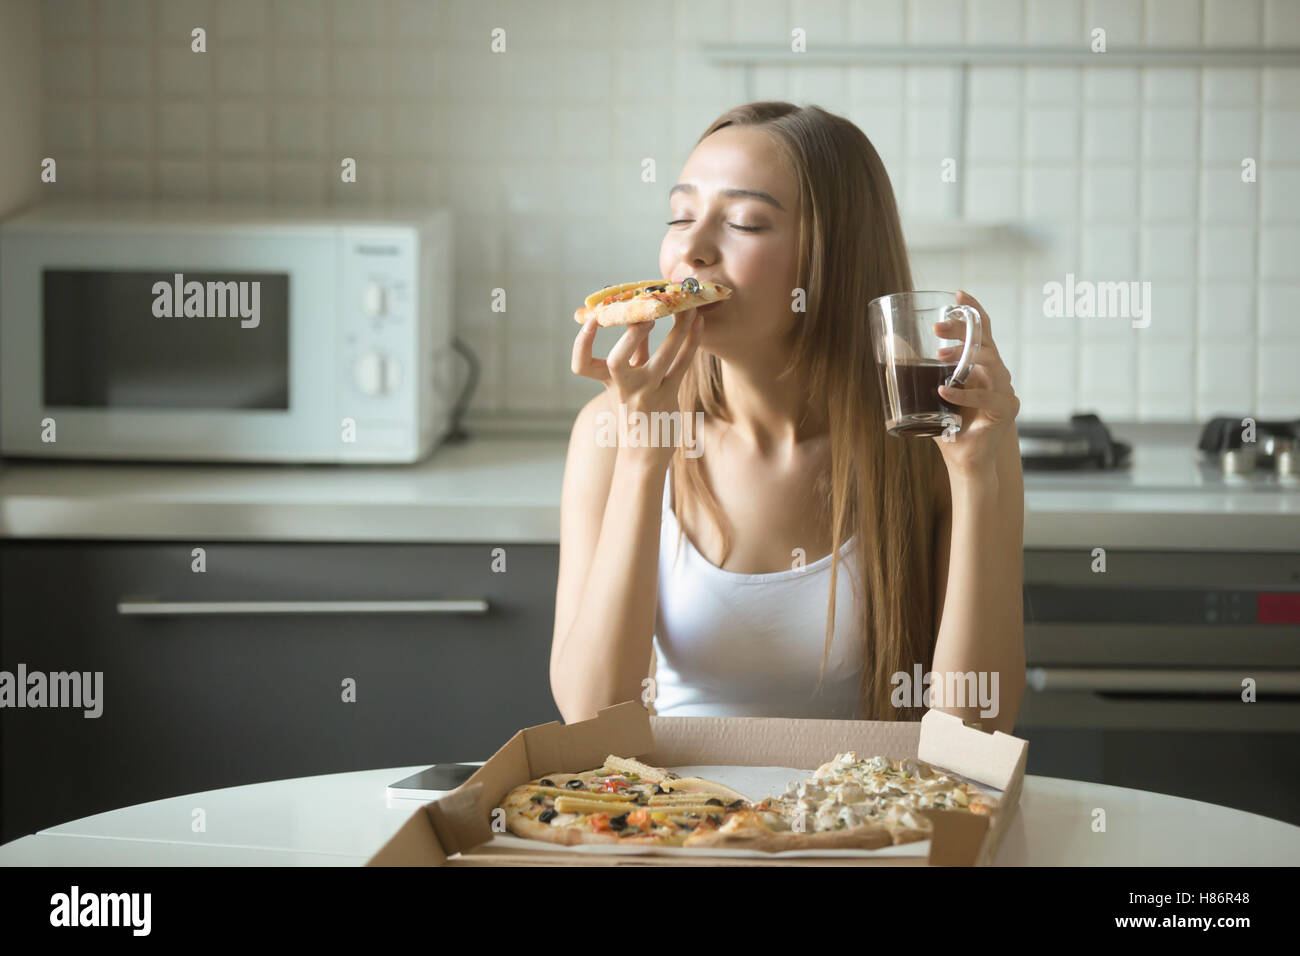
(220, 333)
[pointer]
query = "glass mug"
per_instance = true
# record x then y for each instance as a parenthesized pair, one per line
(908, 364)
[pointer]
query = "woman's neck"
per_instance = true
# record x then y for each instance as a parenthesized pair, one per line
(773, 416)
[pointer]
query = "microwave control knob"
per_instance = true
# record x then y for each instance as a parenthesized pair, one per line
(376, 373)
(374, 299)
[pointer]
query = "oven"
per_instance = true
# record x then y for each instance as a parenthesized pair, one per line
(1140, 675)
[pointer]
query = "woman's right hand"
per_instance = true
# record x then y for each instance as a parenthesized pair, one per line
(636, 380)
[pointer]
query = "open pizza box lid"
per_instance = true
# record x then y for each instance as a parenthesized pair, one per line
(462, 821)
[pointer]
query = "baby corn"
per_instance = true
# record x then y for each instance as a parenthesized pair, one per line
(644, 771)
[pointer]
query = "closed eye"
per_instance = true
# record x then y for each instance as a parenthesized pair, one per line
(674, 222)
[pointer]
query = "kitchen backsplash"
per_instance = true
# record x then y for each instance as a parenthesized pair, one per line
(1113, 174)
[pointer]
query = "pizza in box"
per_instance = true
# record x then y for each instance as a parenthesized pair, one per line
(849, 802)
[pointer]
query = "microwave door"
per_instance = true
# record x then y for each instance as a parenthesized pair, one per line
(178, 347)
(212, 342)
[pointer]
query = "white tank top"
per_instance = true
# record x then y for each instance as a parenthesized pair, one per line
(750, 645)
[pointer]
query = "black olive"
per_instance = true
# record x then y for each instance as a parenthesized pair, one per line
(546, 782)
(691, 285)
(546, 816)
(735, 804)
(715, 817)
(574, 784)
(713, 802)
(659, 789)
(655, 288)
(619, 822)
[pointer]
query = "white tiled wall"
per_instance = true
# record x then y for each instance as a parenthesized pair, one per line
(1120, 173)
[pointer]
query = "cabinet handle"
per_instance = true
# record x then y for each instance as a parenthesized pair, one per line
(1158, 680)
(142, 608)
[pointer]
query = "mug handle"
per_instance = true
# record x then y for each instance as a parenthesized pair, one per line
(974, 334)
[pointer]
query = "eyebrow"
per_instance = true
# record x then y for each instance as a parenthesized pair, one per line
(732, 193)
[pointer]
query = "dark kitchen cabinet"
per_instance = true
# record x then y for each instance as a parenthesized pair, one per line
(202, 700)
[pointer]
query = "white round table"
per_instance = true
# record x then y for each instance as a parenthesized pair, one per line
(343, 819)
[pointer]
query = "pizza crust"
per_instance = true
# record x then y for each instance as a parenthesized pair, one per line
(851, 838)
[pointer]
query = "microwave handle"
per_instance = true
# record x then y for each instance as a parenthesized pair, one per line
(1162, 680)
(145, 608)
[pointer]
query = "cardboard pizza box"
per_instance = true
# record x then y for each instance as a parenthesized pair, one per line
(457, 829)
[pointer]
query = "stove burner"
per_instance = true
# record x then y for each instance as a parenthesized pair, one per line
(1276, 445)
(1083, 444)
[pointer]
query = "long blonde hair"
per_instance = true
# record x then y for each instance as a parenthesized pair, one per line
(882, 488)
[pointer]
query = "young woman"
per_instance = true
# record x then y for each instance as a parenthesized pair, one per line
(799, 559)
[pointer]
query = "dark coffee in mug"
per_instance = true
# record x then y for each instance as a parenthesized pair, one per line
(909, 333)
(921, 410)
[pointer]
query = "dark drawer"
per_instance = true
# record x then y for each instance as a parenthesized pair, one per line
(196, 698)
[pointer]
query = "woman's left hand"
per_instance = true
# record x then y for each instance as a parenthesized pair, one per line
(988, 404)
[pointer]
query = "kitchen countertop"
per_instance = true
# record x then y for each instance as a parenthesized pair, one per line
(343, 819)
(506, 488)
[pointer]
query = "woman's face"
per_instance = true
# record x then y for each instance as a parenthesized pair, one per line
(735, 221)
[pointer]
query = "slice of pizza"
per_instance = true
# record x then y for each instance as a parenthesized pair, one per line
(849, 793)
(622, 802)
(849, 802)
(911, 782)
(646, 301)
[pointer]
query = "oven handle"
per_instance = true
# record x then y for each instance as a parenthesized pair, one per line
(140, 608)
(1102, 680)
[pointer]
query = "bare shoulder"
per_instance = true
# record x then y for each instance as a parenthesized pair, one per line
(588, 475)
(590, 413)
(589, 465)
(584, 439)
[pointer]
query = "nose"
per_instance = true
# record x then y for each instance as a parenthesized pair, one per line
(697, 248)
